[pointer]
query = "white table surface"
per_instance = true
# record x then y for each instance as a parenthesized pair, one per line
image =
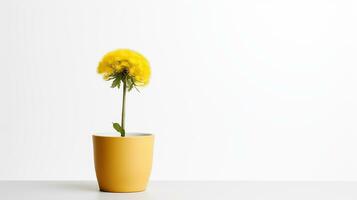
(185, 190)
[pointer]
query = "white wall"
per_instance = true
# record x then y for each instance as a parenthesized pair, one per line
(241, 90)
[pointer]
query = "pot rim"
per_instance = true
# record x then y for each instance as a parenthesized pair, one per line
(127, 135)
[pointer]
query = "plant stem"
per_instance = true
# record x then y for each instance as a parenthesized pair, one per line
(123, 107)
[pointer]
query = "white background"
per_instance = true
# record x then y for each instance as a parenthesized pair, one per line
(240, 90)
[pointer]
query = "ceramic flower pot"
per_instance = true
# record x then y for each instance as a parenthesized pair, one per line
(123, 164)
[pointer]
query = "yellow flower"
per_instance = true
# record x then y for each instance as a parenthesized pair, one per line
(125, 62)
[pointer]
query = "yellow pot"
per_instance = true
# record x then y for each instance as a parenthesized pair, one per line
(123, 164)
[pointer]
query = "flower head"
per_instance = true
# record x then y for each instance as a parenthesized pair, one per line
(125, 65)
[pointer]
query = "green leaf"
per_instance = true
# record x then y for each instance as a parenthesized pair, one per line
(130, 87)
(130, 83)
(116, 82)
(118, 85)
(120, 76)
(118, 128)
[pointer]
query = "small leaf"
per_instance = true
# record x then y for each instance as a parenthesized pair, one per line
(118, 128)
(131, 83)
(116, 82)
(128, 83)
(130, 88)
(120, 76)
(118, 85)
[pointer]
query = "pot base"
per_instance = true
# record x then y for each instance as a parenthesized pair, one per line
(122, 191)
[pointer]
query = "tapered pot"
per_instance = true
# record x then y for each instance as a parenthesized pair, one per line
(123, 164)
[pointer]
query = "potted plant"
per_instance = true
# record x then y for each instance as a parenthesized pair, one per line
(123, 161)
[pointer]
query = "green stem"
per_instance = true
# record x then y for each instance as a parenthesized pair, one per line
(123, 108)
